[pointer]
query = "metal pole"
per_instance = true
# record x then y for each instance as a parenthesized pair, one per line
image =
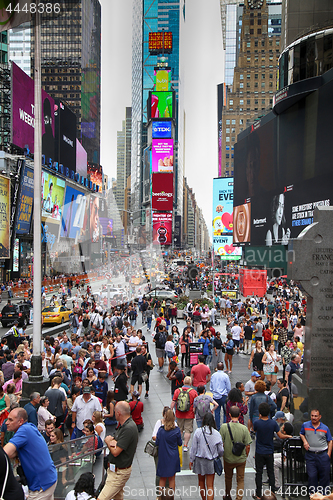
(36, 361)
(213, 274)
(109, 269)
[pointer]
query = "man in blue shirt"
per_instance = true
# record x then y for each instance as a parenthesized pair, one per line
(30, 446)
(30, 408)
(101, 387)
(65, 344)
(317, 441)
(220, 387)
(265, 429)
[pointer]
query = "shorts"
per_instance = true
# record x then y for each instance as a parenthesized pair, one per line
(159, 352)
(236, 342)
(185, 424)
(170, 355)
(269, 373)
(136, 379)
(230, 352)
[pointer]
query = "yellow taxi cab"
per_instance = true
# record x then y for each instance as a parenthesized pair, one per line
(56, 314)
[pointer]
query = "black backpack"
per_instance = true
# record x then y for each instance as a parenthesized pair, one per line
(162, 338)
(120, 324)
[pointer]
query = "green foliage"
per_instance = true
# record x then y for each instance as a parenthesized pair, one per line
(183, 300)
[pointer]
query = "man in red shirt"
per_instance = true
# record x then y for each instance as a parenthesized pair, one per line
(136, 410)
(184, 418)
(200, 373)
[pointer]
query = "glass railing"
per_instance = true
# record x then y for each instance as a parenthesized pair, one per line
(73, 458)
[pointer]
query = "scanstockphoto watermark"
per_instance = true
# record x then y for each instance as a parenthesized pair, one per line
(186, 492)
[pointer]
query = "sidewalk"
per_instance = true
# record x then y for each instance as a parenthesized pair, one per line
(142, 481)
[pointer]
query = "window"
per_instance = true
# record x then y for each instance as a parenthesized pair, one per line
(251, 22)
(233, 122)
(263, 76)
(226, 164)
(259, 22)
(263, 43)
(277, 42)
(241, 85)
(227, 173)
(256, 101)
(227, 155)
(231, 102)
(241, 121)
(256, 76)
(227, 139)
(271, 84)
(256, 84)
(256, 43)
(251, 32)
(248, 44)
(271, 76)
(248, 85)
(241, 102)
(232, 139)
(227, 122)
(241, 77)
(263, 85)
(227, 130)
(248, 59)
(248, 102)
(233, 129)
(227, 148)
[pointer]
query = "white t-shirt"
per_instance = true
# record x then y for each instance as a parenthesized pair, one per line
(134, 340)
(169, 346)
(236, 331)
(103, 433)
(80, 496)
(120, 349)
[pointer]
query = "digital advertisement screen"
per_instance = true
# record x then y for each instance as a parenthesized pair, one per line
(4, 218)
(95, 225)
(23, 115)
(162, 155)
(225, 249)
(95, 174)
(162, 192)
(161, 104)
(53, 190)
(162, 130)
(146, 175)
(66, 135)
(242, 224)
(160, 42)
(73, 213)
(81, 159)
(104, 220)
(162, 229)
(223, 204)
(162, 79)
(25, 202)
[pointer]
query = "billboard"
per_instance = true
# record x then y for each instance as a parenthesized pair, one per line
(283, 166)
(242, 223)
(65, 135)
(161, 104)
(23, 115)
(223, 203)
(162, 192)
(4, 218)
(81, 159)
(160, 42)
(73, 213)
(95, 174)
(162, 155)
(53, 190)
(146, 175)
(225, 249)
(162, 129)
(178, 231)
(162, 228)
(25, 202)
(162, 79)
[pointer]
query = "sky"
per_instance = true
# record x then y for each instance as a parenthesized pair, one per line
(202, 56)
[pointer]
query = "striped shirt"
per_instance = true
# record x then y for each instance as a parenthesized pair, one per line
(318, 438)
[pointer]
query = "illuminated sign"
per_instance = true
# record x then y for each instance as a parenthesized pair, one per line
(161, 130)
(162, 79)
(160, 42)
(161, 104)
(162, 228)
(162, 192)
(162, 155)
(25, 202)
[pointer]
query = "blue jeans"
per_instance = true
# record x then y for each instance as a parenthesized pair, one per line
(149, 323)
(221, 403)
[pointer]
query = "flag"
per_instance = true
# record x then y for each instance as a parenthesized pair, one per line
(14, 12)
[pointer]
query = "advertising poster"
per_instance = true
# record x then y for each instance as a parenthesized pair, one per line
(162, 229)
(50, 233)
(162, 192)
(81, 159)
(95, 174)
(25, 202)
(16, 255)
(53, 190)
(223, 204)
(23, 115)
(162, 79)
(225, 249)
(73, 213)
(242, 224)
(161, 104)
(4, 217)
(66, 135)
(162, 129)
(105, 222)
(162, 155)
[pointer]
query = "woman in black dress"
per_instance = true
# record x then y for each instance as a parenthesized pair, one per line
(256, 359)
(282, 396)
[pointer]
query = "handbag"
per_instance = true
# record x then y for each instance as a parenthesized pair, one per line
(6, 478)
(237, 448)
(151, 448)
(218, 467)
(144, 376)
(276, 369)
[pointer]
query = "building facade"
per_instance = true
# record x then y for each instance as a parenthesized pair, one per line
(71, 66)
(124, 137)
(255, 74)
(20, 46)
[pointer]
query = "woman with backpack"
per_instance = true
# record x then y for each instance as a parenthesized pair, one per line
(206, 447)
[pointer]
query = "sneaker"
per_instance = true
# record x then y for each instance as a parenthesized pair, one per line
(185, 448)
(146, 395)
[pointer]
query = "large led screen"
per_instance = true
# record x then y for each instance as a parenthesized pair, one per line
(162, 192)
(81, 159)
(162, 228)
(23, 115)
(161, 104)
(25, 202)
(73, 213)
(4, 218)
(162, 129)
(53, 190)
(224, 248)
(162, 79)
(223, 204)
(66, 135)
(162, 155)
(95, 174)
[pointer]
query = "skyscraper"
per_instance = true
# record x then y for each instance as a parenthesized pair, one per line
(255, 46)
(19, 47)
(148, 16)
(124, 166)
(71, 66)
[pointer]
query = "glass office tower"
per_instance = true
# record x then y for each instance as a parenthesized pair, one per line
(71, 66)
(148, 16)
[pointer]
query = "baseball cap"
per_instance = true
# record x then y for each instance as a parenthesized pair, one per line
(255, 374)
(136, 394)
(86, 390)
(279, 414)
